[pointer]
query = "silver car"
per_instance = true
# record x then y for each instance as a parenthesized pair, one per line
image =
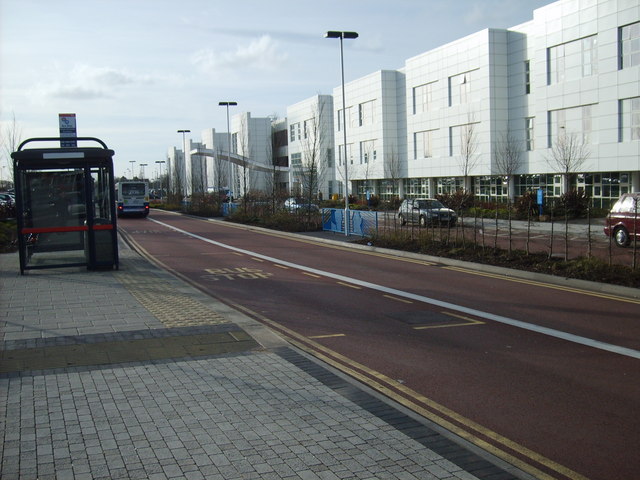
(292, 205)
(426, 211)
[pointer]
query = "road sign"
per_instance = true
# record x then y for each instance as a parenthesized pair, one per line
(68, 129)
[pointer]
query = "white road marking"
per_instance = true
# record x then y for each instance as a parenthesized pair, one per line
(589, 342)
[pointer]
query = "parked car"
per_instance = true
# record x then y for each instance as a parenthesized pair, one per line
(623, 221)
(293, 205)
(7, 199)
(426, 211)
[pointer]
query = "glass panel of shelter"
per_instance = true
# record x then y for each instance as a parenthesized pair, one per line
(54, 217)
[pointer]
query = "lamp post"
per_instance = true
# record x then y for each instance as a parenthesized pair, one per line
(132, 162)
(184, 149)
(142, 165)
(341, 35)
(229, 104)
(160, 162)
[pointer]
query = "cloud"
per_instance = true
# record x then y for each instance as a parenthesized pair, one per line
(87, 82)
(261, 54)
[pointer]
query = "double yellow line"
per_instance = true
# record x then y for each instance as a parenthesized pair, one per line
(535, 283)
(465, 428)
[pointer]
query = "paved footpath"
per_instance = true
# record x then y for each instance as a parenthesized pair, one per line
(134, 374)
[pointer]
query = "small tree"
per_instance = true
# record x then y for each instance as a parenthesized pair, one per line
(312, 167)
(469, 157)
(393, 171)
(508, 160)
(568, 155)
(10, 138)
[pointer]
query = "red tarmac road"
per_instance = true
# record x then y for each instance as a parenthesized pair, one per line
(432, 337)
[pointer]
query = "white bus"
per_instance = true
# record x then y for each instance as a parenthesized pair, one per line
(132, 198)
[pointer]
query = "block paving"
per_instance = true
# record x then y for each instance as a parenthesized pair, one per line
(133, 374)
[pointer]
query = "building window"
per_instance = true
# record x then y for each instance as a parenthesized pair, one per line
(527, 77)
(368, 151)
(388, 189)
(570, 121)
(294, 130)
(531, 183)
(490, 187)
(341, 118)
(606, 186)
(629, 119)
(366, 113)
(416, 187)
(460, 89)
(341, 155)
(422, 98)
(305, 130)
(423, 144)
(463, 139)
(449, 185)
(528, 129)
(572, 60)
(296, 160)
(629, 44)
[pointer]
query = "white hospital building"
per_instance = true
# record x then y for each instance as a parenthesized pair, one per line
(570, 76)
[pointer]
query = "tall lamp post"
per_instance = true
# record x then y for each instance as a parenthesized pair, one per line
(184, 149)
(341, 35)
(132, 162)
(160, 162)
(229, 104)
(142, 165)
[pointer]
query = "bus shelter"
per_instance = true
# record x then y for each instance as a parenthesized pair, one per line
(65, 206)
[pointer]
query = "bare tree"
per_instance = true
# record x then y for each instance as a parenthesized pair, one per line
(392, 168)
(468, 160)
(278, 141)
(312, 168)
(244, 144)
(469, 157)
(177, 183)
(367, 157)
(508, 160)
(220, 170)
(10, 138)
(568, 155)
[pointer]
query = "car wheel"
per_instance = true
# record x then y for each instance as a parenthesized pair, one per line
(423, 221)
(403, 221)
(621, 236)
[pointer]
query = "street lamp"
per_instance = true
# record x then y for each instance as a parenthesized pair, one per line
(142, 165)
(160, 162)
(341, 35)
(229, 104)
(132, 162)
(184, 149)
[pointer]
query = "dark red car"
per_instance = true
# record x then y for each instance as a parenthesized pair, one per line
(624, 219)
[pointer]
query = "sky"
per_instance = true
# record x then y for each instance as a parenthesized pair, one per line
(136, 71)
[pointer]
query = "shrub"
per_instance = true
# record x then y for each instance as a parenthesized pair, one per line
(7, 211)
(458, 200)
(526, 205)
(280, 220)
(574, 204)
(8, 236)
